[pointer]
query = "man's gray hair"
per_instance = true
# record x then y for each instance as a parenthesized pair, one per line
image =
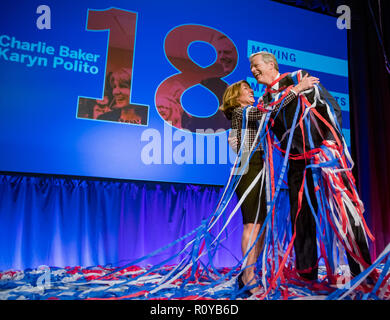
(267, 58)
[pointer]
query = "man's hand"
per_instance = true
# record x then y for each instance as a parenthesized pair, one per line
(307, 82)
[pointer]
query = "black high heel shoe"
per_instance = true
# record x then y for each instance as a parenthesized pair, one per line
(246, 293)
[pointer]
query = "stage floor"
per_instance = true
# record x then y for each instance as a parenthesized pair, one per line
(102, 282)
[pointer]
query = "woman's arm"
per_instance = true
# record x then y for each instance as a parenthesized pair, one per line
(307, 82)
(290, 97)
(252, 113)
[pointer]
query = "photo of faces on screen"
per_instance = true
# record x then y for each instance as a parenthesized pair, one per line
(169, 93)
(115, 105)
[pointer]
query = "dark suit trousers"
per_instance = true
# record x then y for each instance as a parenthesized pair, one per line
(305, 244)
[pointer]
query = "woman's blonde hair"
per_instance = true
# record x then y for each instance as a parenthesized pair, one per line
(230, 98)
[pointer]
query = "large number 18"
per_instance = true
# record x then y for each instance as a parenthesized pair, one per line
(116, 104)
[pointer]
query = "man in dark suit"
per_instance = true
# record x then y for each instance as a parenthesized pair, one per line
(266, 71)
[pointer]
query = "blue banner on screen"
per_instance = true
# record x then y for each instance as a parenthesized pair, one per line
(131, 89)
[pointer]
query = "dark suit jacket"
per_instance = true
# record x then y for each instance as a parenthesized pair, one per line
(284, 119)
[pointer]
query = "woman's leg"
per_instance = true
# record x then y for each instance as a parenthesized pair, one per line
(247, 241)
(253, 209)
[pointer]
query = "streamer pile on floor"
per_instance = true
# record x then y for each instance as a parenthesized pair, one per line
(78, 283)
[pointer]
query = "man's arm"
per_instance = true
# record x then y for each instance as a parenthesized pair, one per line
(333, 102)
(325, 94)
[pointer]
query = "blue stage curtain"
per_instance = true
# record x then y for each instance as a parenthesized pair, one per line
(61, 221)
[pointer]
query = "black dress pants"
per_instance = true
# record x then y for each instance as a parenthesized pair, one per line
(305, 244)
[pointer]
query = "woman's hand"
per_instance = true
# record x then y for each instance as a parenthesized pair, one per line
(233, 141)
(307, 82)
